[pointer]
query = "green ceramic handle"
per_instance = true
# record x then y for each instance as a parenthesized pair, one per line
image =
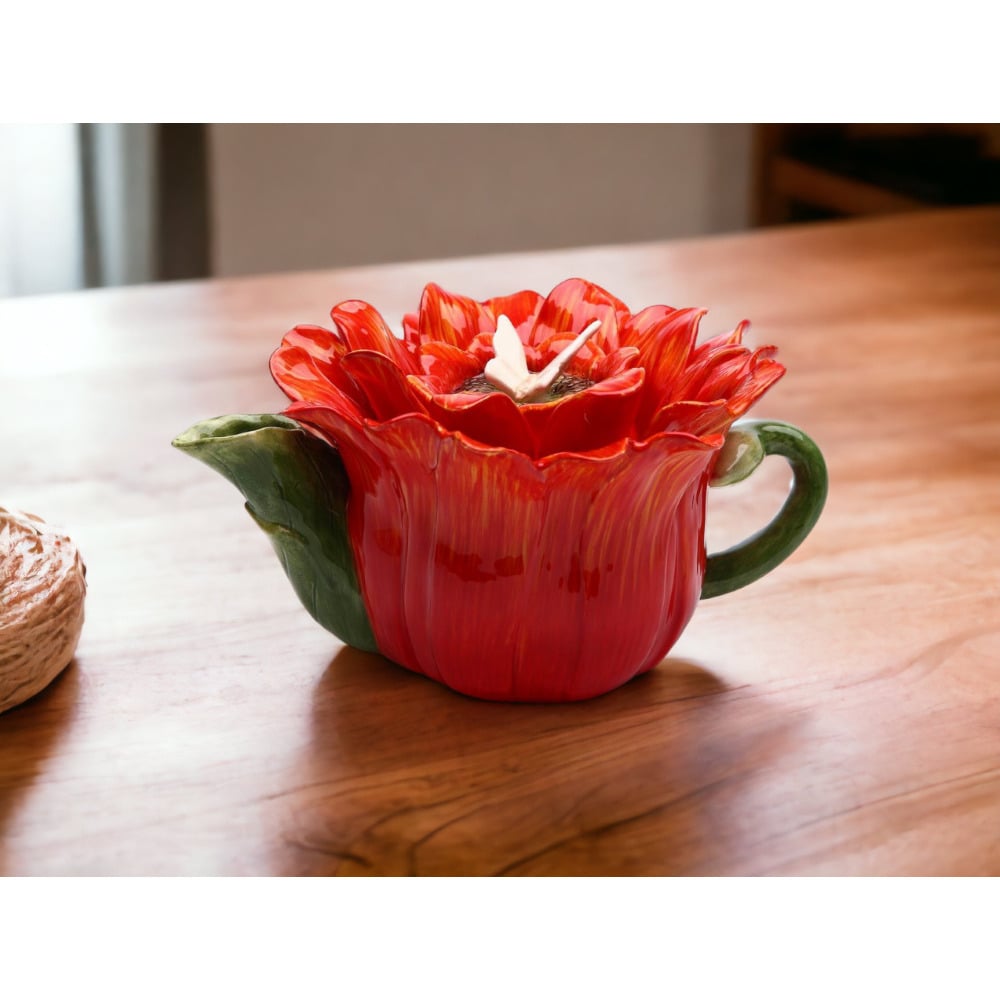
(748, 443)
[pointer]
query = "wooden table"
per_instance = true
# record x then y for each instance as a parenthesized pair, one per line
(841, 716)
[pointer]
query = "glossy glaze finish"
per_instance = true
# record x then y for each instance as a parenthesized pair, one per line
(747, 445)
(510, 581)
(540, 552)
(296, 492)
(649, 376)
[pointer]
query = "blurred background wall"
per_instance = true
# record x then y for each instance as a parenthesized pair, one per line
(84, 205)
(94, 204)
(304, 196)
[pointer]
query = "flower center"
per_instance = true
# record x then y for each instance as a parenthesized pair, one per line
(563, 385)
(507, 371)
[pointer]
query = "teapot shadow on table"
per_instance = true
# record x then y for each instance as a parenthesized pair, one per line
(29, 734)
(404, 776)
(360, 692)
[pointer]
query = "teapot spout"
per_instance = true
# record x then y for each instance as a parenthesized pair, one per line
(296, 490)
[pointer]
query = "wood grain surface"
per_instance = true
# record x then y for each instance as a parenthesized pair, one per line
(841, 716)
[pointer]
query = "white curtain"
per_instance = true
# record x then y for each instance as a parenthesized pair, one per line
(77, 206)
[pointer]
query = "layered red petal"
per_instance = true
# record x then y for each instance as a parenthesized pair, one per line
(493, 419)
(307, 367)
(589, 420)
(384, 387)
(665, 338)
(692, 417)
(723, 369)
(521, 309)
(362, 328)
(572, 305)
(452, 319)
(539, 556)
(648, 375)
(447, 367)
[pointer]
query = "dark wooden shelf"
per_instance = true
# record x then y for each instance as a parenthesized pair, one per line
(828, 171)
(835, 192)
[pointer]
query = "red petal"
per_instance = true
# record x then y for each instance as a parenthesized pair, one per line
(699, 419)
(724, 378)
(319, 341)
(363, 329)
(613, 364)
(492, 418)
(453, 319)
(327, 421)
(589, 355)
(732, 339)
(665, 338)
(521, 308)
(411, 330)
(707, 377)
(720, 373)
(384, 386)
(714, 361)
(514, 580)
(762, 375)
(645, 323)
(571, 306)
(446, 367)
(589, 420)
(306, 367)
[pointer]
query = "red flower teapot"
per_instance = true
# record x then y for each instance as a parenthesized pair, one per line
(510, 499)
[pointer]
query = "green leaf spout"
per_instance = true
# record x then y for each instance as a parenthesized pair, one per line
(296, 490)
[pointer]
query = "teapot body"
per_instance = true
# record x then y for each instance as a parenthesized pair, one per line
(516, 580)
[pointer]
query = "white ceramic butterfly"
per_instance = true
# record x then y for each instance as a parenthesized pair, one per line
(508, 371)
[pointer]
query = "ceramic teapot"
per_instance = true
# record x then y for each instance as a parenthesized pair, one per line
(510, 498)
